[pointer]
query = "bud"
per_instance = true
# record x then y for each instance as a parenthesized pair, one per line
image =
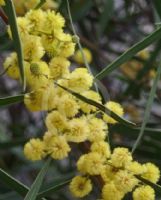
(35, 69)
(75, 38)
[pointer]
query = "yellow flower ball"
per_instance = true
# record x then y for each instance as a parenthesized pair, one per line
(94, 163)
(24, 26)
(77, 131)
(58, 147)
(36, 18)
(79, 58)
(42, 99)
(144, 192)
(11, 66)
(59, 67)
(152, 172)
(67, 105)
(108, 173)
(80, 80)
(55, 121)
(48, 135)
(80, 186)
(34, 149)
(121, 157)
(136, 168)
(53, 21)
(114, 107)
(32, 48)
(98, 129)
(110, 192)
(125, 181)
(67, 49)
(81, 164)
(102, 148)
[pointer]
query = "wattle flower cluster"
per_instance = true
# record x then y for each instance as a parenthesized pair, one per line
(116, 172)
(46, 49)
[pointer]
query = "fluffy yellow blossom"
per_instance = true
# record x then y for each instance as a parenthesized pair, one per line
(33, 100)
(41, 99)
(38, 75)
(152, 172)
(53, 21)
(98, 129)
(108, 173)
(36, 19)
(102, 148)
(110, 192)
(67, 105)
(125, 181)
(94, 163)
(81, 166)
(91, 163)
(87, 108)
(48, 136)
(23, 26)
(56, 121)
(144, 192)
(63, 37)
(79, 58)
(136, 168)
(121, 157)
(67, 49)
(2, 2)
(116, 108)
(59, 67)
(80, 186)
(58, 44)
(80, 80)
(77, 130)
(57, 147)
(11, 65)
(32, 48)
(34, 149)
(51, 45)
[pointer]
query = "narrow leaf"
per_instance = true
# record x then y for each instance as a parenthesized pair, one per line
(33, 192)
(148, 108)
(156, 35)
(100, 107)
(11, 100)
(13, 183)
(10, 11)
